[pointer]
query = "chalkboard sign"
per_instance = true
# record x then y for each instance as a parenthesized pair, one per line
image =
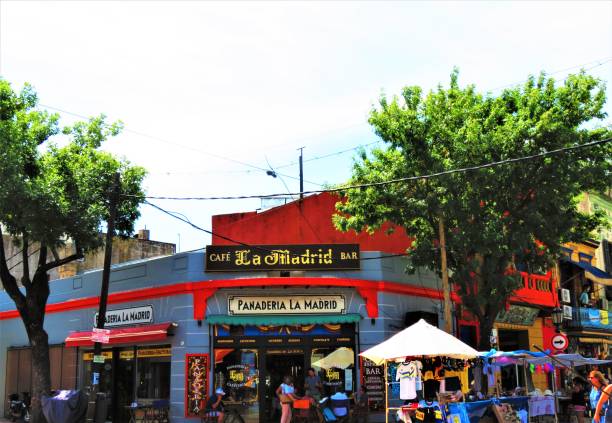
(196, 383)
(373, 379)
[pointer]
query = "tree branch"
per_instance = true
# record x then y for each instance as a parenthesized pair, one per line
(42, 258)
(25, 262)
(8, 281)
(62, 262)
(55, 253)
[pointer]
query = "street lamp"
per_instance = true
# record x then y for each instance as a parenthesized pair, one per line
(557, 317)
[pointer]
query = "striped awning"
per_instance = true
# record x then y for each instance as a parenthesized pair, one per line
(128, 335)
(591, 272)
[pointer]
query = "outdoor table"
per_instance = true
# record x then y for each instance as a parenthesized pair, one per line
(541, 406)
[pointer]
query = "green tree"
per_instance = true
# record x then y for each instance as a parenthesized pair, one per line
(51, 193)
(495, 217)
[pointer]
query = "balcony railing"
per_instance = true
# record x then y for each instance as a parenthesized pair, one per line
(590, 318)
(536, 289)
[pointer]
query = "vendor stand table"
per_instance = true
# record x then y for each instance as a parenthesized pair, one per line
(471, 412)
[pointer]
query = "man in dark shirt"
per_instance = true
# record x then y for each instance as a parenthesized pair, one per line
(312, 384)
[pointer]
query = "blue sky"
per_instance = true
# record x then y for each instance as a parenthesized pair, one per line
(254, 81)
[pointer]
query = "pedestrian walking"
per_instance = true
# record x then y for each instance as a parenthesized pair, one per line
(286, 395)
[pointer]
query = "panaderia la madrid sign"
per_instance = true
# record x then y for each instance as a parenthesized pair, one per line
(294, 304)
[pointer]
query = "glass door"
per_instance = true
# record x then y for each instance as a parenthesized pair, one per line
(116, 381)
(280, 363)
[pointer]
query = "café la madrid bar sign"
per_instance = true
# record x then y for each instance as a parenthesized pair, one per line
(245, 305)
(238, 258)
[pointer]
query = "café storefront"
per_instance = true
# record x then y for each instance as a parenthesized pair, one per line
(261, 335)
(136, 360)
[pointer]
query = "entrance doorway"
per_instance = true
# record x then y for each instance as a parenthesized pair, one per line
(512, 340)
(278, 364)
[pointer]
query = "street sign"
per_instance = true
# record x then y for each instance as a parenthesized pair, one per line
(560, 342)
(101, 338)
(100, 335)
(98, 359)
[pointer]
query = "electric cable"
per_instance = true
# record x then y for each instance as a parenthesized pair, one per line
(391, 181)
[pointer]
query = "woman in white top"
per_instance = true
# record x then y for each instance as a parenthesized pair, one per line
(286, 395)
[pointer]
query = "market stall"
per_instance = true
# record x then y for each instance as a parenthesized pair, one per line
(422, 341)
(539, 404)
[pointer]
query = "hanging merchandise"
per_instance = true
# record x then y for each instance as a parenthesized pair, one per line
(407, 375)
(429, 412)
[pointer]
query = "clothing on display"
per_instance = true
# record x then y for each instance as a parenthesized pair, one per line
(430, 388)
(429, 412)
(407, 374)
(452, 384)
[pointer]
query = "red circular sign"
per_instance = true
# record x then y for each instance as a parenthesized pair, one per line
(559, 342)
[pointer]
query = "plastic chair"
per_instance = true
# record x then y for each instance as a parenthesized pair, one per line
(336, 405)
(301, 411)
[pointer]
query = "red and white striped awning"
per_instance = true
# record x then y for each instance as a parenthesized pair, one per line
(129, 335)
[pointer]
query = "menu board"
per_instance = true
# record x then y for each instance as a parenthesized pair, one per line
(373, 378)
(196, 383)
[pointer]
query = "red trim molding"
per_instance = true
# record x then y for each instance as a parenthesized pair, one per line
(370, 297)
(200, 297)
(203, 290)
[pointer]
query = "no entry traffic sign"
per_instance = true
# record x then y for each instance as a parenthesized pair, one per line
(560, 342)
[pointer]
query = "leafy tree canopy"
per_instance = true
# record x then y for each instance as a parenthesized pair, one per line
(494, 217)
(51, 192)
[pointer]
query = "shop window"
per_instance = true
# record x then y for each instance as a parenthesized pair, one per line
(130, 374)
(153, 373)
(237, 373)
(336, 368)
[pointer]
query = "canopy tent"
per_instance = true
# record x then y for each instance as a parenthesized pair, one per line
(567, 360)
(420, 339)
(521, 357)
(340, 358)
(506, 358)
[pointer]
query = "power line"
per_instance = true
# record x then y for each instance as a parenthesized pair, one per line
(330, 154)
(600, 62)
(244, 244)
(162, 140)
(392, 181)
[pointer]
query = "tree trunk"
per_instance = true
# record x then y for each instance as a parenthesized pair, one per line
(485, 327)
(34, 318)
(41, 381)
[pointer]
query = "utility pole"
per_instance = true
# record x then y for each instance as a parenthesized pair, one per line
(98, 364)
(448, 323)
(301, 174)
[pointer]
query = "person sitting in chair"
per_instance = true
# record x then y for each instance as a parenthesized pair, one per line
(214, 405)
(340, 404)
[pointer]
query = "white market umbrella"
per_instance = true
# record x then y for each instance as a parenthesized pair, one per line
(340, 359)
(420, 339)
